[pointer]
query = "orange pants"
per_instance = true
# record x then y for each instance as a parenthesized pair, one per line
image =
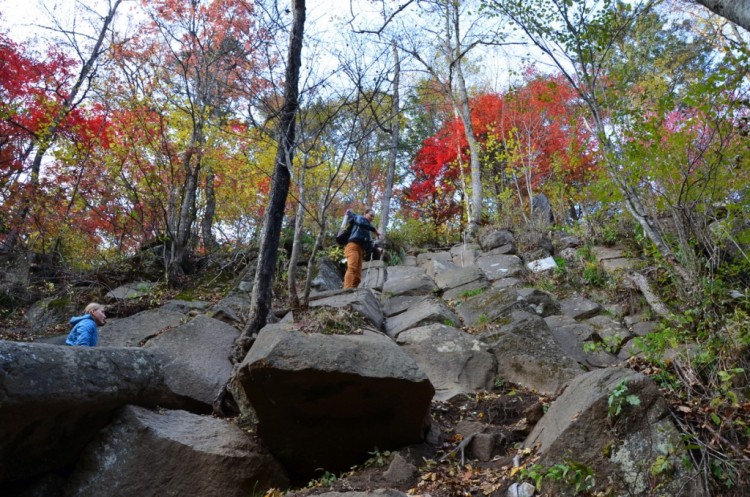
(355, 254)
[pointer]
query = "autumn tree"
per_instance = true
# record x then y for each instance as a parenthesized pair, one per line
(532, 135)
(200, 59)
(52, 93)
(621, 74)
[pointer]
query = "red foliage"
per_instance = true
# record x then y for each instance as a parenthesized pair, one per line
(541, 118)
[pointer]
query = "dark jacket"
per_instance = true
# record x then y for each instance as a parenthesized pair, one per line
(84, 331)
(361, 233)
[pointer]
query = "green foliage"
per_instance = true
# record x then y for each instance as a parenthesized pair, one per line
(327, 479)
(378, 459)
(571, 473)
(619, 397)
(408, 232)
(472, 293)
(594, 275)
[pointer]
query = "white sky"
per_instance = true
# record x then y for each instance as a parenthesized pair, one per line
(23, 17)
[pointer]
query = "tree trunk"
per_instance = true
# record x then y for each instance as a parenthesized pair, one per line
(297, 243)
(461, 103)
(395, 132)
(192, 165)
(260, 303)
(209, 243)
(737, 11)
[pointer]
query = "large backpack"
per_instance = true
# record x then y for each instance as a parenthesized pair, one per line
(345, 231)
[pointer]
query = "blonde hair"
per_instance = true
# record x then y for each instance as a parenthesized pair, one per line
(93, 306)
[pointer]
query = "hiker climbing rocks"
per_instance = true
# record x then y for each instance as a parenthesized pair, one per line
(85, 331)
(360, 243)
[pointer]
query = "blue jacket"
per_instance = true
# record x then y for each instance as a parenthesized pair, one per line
(361, 232)
(84, 331)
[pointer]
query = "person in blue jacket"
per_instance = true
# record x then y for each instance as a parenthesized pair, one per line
(85, 331)
(360, 242)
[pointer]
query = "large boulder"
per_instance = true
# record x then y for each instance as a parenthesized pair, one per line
(580, 341)
(49, 312)
(327, 401)
(528, 354)
(497, 267)
(616, 422)
(461, 282)
(129, 291)
(359, 300)
(490, 306)
(54, 399)
(197, 362)
(426, 311)
(407, 280)
(496, 238)
(135, 330)
(328, 276)
(149, 453)
(541, 302)
(455, 362)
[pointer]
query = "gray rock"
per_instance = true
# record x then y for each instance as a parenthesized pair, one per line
(49, 312)
(524, 489)
(574, 338)
(569, 242)
(496, 238)
(54, 400)
(489, 306)
(644, 328)
(454, 361)
(457, 277)
(466, 291)
(569, 254)
(400, 303)
(373, 275)
(186, 306)
(403, 280)
(579, 307)
(610, 332)
(197, 362)
(625, 445)
(400, 471)
(542, 265)
(506, 283)
(328, 276)
(465, 255)
(482, 446)
(434, 268)
(360, 300)
(165, 453)
(604, 253)
(540, 302)
(428, 311)
(324, 401)
(135, 330)
(528, 354)
(622, 264)
(232, 309)
(507, 249)
(130, 291)
(425, 257)
(496, 267)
